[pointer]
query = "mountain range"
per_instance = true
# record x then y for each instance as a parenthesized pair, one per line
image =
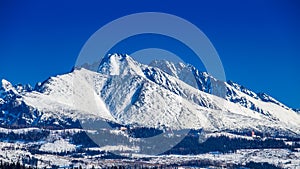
(127, 92)
(160, 96)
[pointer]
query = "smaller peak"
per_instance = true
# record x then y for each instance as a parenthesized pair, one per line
(180, 64)
(231, 82)
(235, 85)
(6, 85)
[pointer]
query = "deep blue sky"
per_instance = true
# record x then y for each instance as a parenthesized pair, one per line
(257, 41)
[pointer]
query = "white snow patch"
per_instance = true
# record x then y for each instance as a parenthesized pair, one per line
(58, 146)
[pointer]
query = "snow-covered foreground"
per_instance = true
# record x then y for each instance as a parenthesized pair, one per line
(278, 157)
(60, 148)
(283, 158)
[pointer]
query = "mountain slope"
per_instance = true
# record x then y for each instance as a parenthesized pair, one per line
(233, 92)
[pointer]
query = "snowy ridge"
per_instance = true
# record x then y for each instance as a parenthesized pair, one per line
(297, 110)
(259, 102)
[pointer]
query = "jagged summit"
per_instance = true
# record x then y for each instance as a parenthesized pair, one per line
(117, 64)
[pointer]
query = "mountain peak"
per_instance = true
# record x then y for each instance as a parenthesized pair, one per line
(6, 86)
(117, 55)
(119, 64)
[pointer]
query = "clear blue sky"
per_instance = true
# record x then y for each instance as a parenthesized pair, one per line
(257, 41)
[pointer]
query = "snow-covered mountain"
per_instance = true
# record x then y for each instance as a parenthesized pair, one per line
(163, 94)
(48, 125)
